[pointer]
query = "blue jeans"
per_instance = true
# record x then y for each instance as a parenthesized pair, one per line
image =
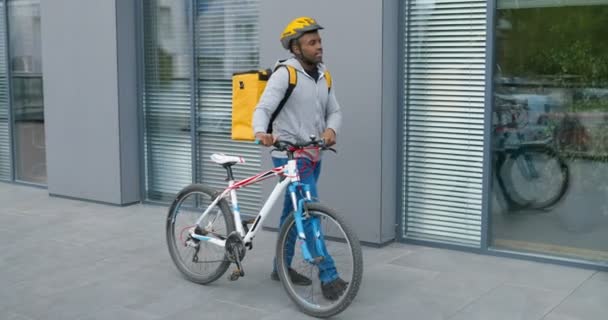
(309, 176)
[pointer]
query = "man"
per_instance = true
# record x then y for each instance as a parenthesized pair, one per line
(311, 109)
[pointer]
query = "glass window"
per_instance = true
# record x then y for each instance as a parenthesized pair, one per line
(5, 138)
(226, 41)
(191, 50)
(550, 128)
(167, 97)
(27, 97)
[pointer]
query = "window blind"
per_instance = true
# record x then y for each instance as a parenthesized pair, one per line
(5, 136)
(167, 97)
(226, 42)
(444, 88)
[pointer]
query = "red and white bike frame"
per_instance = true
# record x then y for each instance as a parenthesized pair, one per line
(290, 174)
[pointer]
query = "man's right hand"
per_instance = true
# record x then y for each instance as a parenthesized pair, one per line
(265, 139)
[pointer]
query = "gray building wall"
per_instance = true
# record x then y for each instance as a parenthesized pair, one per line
(360, 45)
(89, 71)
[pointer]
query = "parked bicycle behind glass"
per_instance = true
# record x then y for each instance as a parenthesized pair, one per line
(530, 172)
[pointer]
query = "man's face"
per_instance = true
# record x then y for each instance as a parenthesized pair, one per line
(311, 48)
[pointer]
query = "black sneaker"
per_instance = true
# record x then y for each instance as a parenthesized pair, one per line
(334, 289)
(296, 278)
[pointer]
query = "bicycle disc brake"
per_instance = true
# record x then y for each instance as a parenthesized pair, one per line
(235, 252)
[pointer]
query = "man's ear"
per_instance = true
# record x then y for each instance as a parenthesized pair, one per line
(295, 48)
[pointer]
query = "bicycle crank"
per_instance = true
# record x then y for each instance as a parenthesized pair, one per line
(235, 252)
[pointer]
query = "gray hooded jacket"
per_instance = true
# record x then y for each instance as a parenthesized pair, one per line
(309, 110)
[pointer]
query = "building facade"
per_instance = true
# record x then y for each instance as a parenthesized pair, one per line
(474, 125)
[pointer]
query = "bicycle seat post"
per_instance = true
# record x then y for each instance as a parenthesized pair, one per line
(228, 167)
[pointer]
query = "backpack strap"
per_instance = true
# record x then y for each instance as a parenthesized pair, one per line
(293, 79)
(328, 80)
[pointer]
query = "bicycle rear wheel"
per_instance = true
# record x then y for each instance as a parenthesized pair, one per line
(199, 261)
(343, 248)
(534, 177)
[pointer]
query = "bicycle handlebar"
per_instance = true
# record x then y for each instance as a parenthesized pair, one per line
(283, 145)
(291, 147)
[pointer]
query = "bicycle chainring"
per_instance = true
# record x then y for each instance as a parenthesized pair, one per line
(235, 248)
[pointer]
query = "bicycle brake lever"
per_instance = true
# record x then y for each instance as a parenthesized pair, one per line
(333, 150)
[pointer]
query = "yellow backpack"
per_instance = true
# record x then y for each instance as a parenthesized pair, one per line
(247, 88)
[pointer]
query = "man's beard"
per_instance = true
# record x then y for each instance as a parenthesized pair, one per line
(311, 61)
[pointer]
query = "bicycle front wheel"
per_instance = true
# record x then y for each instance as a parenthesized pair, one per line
(199, 261)
(535, 177)
(343, 261)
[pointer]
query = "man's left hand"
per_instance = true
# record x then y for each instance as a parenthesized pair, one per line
(329, 135)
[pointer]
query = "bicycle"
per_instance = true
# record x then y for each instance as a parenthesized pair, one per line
(542, 176)
(213, 235)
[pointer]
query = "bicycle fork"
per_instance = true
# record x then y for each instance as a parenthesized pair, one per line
(299, 215)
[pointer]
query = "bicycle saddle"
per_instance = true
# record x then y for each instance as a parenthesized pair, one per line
(223, 159)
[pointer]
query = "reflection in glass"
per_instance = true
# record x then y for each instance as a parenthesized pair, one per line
(550, 129)
(226, 41)
(27, 96)
(167, 97)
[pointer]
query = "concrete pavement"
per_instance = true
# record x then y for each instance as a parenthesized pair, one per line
(67, 259)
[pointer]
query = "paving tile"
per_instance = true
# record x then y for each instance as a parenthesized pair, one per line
(169, 301)
(408, 304)
(586, 302)
(511, 302)
(215, 309)
(119, 313)
(83, 301)
(7, 315)
(600, 276)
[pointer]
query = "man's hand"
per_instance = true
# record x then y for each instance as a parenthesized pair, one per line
(329, 135)
(265, 139)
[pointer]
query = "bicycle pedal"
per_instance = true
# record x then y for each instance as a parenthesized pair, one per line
(235, 275)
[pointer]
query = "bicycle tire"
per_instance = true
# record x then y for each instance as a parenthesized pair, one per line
(173, 239)
(318, 210)
(544, 198)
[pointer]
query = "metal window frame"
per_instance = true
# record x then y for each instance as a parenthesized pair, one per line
(403, 18)
(193, 90)
(139, 51)
(488, 171)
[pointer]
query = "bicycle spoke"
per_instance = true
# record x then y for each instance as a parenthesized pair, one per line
(338, 263)
(210, 261)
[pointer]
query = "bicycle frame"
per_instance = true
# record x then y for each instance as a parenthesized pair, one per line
(291, 181)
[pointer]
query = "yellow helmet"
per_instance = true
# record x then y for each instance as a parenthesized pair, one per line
(296, 28)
